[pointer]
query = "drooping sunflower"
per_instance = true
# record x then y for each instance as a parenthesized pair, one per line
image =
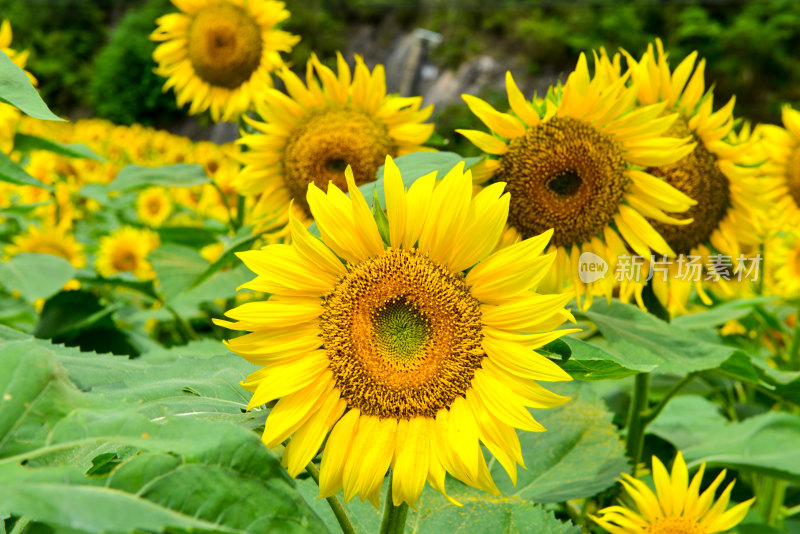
(401, 342)
(220, 54)
(677, 507)
(574, 162)
(321, 127)
(126, 250)
(154, 206)
(721, 174)
(55, 240)
(782, 147)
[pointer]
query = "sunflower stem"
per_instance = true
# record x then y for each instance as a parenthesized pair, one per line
(336, 506)
(394, 517)
(186, 329)
(240, 205)
(794, 351)
(772, 496)
(652, 414)
(636, 419)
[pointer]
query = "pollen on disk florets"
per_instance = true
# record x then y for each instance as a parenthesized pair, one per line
(329, 141)
(566, 175)
(403, 335)
(698, 176)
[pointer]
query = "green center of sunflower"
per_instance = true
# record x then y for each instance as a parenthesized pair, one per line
(698, 176)
(793, 176)
(403, 335)
(330, 140)
(224, 45)
(566, 175)
(674, 525)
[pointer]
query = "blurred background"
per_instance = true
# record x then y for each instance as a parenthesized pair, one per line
(93, 57)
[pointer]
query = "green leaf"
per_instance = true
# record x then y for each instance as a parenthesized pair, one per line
(193, 237)
(180, 175)
(640, 342)
(35, 275)
(177, 267)
(177, 472)
(587, 361)
(70, 312)
(721, 314)
(11, 172)
(16, 89)
(28, 143)
(580, 454)
(687, 420)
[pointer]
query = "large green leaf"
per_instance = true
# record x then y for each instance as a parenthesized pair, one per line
(177, 267)
(86, 461)
(638, 341)
(587, 361)
(180, 175)
(27, 143)
(12, 172)
(579, 456)
(35, 275)
(721, 314)
(768, 443)
(16, 89)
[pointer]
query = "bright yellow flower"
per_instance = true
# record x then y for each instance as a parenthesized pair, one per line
(573, 162)
(782, 146)
(677, 507)
(52, 240)
(409, 344)
(219, 54)
(126, 250)
(783, 263)
(154, 206)
(320, 128)
(720, 174)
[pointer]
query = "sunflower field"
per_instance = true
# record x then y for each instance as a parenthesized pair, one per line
(253, 280)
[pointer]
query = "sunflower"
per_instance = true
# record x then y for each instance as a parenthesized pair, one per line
(402, 338)
(219, 54)
(312, 134)
(126, 250)
(782, 147)
(783, 254)
(55, 241)
(154, 206)
(573, 162)
(721, 174)
(677, 507)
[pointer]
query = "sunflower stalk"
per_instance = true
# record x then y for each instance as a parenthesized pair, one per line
(794, 351)
(394, 517)
(333, 501)
(652, 414)
(636, 418)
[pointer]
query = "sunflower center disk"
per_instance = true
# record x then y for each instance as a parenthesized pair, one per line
(327, 143)
(125, 261)
(793, 177)
(403, 335)
(224, 45)
(565, 175)
(674, 525)
(698, 176)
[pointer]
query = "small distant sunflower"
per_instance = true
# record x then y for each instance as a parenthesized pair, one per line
(154, 206)
(574, 162)
(782, 147)
(677, 507)
(312, 134)
(219, 54)
(411, 342)
(126, 250)
(720, 173)
(55, 241)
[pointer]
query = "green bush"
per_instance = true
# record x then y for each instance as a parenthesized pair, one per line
(123, 87)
